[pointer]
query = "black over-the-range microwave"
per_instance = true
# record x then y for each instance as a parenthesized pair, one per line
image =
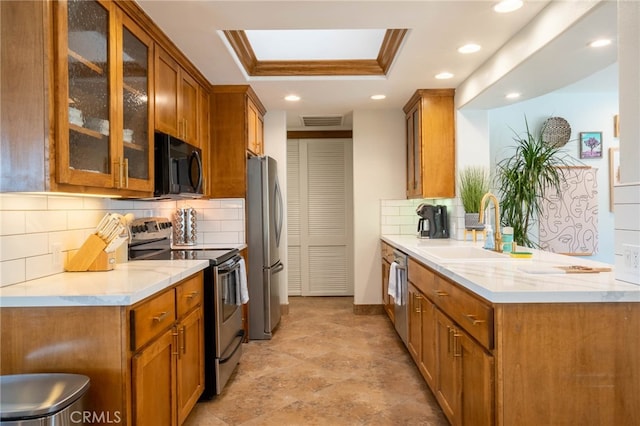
(178, 168)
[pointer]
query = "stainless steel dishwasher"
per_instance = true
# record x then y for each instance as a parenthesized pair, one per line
(402, 290)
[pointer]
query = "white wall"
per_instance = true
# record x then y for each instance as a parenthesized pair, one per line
(585, 112)
(379, 172)
(627, 199)
(275, 145)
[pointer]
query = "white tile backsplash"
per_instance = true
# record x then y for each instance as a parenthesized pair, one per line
(45, 221)
(627, 228)
(398, 217)
(30, 224)
(12, 222)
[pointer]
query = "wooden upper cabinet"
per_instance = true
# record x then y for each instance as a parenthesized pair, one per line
(236, 132)
(78, 92)
(167, 73)
(176, 99)
(430, 133)
(255, 129)
(103, 114)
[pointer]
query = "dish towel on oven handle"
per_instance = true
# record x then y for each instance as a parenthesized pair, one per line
(392, 290)
(244, 290)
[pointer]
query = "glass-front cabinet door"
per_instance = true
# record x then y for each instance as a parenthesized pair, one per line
(103, 136)
(135, 64)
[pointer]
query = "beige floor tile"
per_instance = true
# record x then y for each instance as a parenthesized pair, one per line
(324, 366)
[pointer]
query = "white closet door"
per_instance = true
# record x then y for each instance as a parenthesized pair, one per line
(293, 219)
(320, 217)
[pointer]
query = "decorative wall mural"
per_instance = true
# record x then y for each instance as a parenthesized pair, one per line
(569, 221)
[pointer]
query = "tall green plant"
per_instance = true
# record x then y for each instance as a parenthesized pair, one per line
(523, 179)
(474, 183)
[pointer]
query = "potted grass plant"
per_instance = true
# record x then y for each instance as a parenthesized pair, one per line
(524, 178)
(473, 183)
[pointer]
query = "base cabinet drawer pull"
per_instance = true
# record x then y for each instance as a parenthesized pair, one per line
(457, 350)
(472, 318)
(183, 340)
(176, 349)
(441, 293)
(160, 317)
(193, 294)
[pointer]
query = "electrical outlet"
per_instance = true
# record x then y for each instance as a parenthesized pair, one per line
(56, 255)
(631, 257)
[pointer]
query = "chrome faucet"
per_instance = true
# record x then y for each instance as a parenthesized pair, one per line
(497, 236)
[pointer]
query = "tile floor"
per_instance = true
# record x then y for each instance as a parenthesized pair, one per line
(324, 366)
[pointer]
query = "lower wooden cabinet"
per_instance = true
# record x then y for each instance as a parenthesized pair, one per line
(525, 364)
(387, 301)
(414, 335)
(154, 382)
(457, 368)
(190, 365)
(428, 359)
(145, 362)
(168, 372)
(464, 382)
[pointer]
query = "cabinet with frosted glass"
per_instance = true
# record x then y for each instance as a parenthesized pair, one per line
(102, 72)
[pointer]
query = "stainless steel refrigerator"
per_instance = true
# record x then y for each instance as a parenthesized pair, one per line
(265, 215)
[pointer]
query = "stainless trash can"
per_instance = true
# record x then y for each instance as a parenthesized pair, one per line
(45, 399)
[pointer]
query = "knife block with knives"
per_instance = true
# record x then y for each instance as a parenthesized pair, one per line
(97, 253)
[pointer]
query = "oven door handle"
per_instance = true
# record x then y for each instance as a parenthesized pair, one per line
(240, 338)
(229, 266)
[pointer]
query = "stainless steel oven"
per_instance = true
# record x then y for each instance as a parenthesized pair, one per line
(222, 303)
(226, 319)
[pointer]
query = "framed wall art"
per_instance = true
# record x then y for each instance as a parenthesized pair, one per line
(590, 144)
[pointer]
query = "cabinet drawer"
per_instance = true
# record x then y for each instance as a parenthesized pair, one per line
(422, 278)
(387, 252)
(471, 313)
(189, 294)
(152, 317)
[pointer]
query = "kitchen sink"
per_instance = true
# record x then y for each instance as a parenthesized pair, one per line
(464, 254)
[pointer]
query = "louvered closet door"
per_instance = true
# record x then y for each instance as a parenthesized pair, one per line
(320, 234)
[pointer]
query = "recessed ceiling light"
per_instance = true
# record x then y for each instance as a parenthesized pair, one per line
(444, 75)
(292, 98)
(378, 97)
(506, 6)
(600, 43)
(469, 48)
(513, 95)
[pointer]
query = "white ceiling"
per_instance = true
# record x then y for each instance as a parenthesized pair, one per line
(436, 30)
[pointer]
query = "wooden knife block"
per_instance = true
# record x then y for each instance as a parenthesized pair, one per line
(92, 257)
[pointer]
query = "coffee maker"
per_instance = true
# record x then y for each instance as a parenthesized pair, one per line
(433, 221)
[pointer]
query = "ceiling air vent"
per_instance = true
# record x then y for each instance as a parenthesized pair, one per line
(321, 120)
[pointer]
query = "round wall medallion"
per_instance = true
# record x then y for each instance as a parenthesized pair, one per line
(556, 131)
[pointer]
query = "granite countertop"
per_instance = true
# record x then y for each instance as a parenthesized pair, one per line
(520, 280)
(125, 285)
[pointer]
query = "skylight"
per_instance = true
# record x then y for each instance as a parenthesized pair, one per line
(270, 53)
(313, 45)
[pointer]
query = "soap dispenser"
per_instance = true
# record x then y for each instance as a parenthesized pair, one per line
(489, 243)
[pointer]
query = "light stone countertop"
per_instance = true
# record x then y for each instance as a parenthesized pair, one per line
(209, 246)
(125, 285)
(520, 280)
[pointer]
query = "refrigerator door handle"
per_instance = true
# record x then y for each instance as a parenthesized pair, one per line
(279, 267)
(280, 211)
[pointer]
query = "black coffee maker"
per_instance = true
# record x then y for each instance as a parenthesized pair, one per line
(433, 221)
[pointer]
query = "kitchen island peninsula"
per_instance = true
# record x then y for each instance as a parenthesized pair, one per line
(505, 340)
(135, 331)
